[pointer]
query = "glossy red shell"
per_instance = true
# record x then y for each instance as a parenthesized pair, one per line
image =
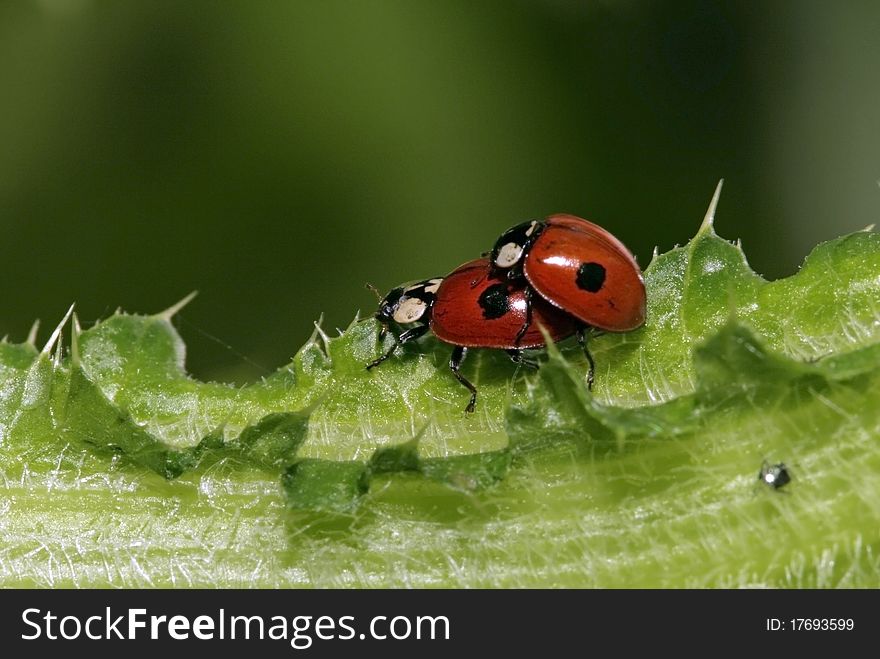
(459, 318)
(553, 262)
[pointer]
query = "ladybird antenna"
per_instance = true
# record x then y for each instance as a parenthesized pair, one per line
(375, 290)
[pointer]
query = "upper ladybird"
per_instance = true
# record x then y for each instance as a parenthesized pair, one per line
(577, 266)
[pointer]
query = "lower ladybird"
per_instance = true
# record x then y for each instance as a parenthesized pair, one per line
(473, 308)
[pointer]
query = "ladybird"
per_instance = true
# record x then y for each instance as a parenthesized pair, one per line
(472, 307)
(775, 476)
(577, 266)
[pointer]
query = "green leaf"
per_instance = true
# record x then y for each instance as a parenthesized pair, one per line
(274, 440)
(325, 485)
(118, 469)
(830, 306)
(469, 473)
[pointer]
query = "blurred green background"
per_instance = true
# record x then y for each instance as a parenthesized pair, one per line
(277, 155)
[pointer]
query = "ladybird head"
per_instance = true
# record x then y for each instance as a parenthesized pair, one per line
(513, 243)
(409, 303)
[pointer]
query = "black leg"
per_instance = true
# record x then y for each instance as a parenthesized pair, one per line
(525, 327)
(582, 339)
(407, 336)
(388, 354)
(517, 357)
(455, 362)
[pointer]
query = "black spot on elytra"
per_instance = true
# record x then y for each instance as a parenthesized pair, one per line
(494, 302)
(591, 277)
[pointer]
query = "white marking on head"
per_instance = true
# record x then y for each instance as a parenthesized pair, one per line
(531, 229)
(432, 285)
(508, 255)
(409, 310)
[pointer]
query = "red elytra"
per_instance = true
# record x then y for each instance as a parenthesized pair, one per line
(475, 309)
(580, 267)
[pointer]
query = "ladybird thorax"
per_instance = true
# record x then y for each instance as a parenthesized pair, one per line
(409, 303)
(513, 244)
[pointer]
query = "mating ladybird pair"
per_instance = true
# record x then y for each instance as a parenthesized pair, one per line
(562, 273)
